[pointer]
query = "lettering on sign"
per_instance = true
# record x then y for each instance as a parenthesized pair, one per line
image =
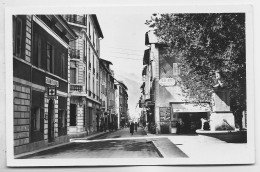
(167, 82)
(50, 81)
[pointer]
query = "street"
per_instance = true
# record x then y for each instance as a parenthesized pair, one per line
(115, 144)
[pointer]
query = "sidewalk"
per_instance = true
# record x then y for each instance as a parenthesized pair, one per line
(205, 148)
(57, 145)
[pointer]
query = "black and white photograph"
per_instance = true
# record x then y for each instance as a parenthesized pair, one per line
(129, 85)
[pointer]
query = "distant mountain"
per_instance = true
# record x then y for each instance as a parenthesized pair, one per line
(133, 83)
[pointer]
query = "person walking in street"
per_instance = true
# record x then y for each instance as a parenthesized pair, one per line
(135, 126)
(132, 127)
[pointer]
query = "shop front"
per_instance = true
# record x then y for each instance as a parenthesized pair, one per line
(186, 118)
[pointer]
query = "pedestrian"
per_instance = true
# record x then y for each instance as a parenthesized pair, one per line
(135, 126)
(132, 127)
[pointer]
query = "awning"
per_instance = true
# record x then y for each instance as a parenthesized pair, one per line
(190, 107)
(144, 71)
(146, 58)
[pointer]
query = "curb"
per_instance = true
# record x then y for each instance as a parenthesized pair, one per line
(27, 154)
(157, 150)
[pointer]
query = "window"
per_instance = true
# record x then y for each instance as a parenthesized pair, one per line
(50, 60)
(37, 112)
(37, 50)
(97, 89)
(63, 67)
(89, 82)
(89, 30)
(73, 75)
(62, 118)
(93, 85)
(176, 69)
(17, 37)
(84, 75)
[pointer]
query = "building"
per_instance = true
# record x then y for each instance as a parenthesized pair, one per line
(84, 78)
(163, 101)
(107, 87)
(40, 80)
(121, 103)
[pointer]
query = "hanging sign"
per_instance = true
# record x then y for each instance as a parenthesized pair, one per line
(166, 82)
(52, 91)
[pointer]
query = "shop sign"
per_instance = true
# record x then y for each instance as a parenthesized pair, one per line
(177, 110)
(52, 92)
(166, 82)
(165, 114)
(50, 81)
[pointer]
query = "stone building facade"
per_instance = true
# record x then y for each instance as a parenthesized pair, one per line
(40, 84)
(84, 76)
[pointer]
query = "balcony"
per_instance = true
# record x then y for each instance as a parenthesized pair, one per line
(76, 87)
(74, 54)
(76, 19)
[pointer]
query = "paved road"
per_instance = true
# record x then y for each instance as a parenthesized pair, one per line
(116, 144)
(122, 133)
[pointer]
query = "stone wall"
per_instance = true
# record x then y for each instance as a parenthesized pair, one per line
(21, 98)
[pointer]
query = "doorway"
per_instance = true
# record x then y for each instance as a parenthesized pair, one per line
(51, 120)
(73, 114)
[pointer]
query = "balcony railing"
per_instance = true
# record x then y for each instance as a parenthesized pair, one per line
(74, 54)
(76, 87)
(76, 19)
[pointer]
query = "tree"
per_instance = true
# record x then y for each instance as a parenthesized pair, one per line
(204, 43)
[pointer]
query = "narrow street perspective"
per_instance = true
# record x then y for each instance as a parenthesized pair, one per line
(148, 85)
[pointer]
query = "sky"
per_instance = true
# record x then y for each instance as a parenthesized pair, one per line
(124, 44)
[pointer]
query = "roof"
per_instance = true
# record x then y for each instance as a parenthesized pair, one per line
(122, 84)
(72, 35)
(94, 17)
(106, 61)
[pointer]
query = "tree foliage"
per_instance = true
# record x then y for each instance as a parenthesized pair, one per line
(204, 43)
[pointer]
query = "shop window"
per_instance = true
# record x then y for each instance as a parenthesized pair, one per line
(37, 113)
(36, 118)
